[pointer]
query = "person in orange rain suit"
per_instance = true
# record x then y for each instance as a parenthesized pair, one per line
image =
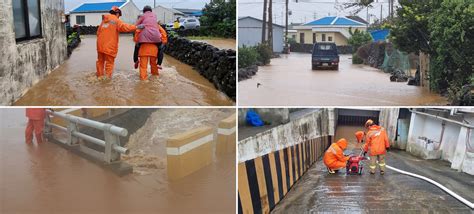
(334, 158)
(360, 136)
(147, 52)
(377, 143)
(108, 39)
(36, 118)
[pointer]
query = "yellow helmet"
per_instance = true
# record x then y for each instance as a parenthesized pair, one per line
(369, 123)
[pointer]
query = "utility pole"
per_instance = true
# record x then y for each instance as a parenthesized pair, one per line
(381, 12)
(264, 19)
(154, 3)
(270, 24)
(286, 28)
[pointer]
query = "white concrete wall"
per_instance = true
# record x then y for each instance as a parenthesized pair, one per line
(453, 144)
(318, 124)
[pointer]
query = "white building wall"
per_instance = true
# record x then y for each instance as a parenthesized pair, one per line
(92, 19)
(250, 34)
(130, 12)
(166, 15)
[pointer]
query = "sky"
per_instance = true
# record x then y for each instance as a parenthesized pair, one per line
(307, 10)
(190, 4)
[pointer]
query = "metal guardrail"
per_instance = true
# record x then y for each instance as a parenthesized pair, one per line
(112, 134)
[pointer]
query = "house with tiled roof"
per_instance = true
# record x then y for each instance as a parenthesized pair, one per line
(90, 14)
(328, 29)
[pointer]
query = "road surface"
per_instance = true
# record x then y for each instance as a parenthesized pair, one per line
(318, 191)
(74, 83)
(289, 81)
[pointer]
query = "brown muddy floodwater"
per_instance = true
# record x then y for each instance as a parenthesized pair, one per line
(49, 179)
(219, 43)
(289, 80)
(75, 83)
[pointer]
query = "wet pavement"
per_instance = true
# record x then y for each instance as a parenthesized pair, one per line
(219, 42)
(49, 179)
(291, 79)
(75, 83)
(317, 191)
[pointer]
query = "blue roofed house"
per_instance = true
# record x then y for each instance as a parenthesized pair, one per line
(328, 29)
(380, 35)
(90, 14)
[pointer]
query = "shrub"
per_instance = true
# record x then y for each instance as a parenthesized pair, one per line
(219, 18)
(356, 59)
(358, 38)
(264, 53)
(247, 56)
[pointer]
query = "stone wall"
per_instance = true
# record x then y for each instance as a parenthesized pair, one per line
(216, 65)
(248, 72)
(22, 64)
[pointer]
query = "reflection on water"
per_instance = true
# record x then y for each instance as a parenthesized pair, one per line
(49, 179)
(74, 83)
(291, 79)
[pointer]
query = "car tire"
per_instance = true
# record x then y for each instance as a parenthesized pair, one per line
(314, 67)
(336, 67)
(181, 28)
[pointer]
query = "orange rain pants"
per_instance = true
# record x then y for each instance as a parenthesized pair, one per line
(35, 124)
(148, 52)
(107, 61)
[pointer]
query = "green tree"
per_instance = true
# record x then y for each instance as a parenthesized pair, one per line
(452, 36)
(358, 38)
(219, 18)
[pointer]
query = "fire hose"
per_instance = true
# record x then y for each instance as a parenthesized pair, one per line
(458, 197)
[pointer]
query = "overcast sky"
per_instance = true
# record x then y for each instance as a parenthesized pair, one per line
(191, 4)
(307, 10)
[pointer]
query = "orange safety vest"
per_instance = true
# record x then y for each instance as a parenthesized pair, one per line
(376, 141)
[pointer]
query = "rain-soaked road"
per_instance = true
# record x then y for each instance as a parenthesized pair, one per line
(49, 179)
(219, 42)
(317, 191)
(74, 83)
(289, 80)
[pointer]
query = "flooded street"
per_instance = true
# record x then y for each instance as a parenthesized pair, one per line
(318, 191)
(50, 179)
(289, 80)
(75, 83)
(220, 43)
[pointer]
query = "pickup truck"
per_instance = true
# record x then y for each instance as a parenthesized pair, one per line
(325, 54)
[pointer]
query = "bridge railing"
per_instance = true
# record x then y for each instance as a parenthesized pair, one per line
(110, 143)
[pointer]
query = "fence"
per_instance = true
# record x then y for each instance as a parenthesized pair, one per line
(110, 143)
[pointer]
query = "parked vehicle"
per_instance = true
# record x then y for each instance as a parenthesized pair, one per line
(325, 55)
(185, 23)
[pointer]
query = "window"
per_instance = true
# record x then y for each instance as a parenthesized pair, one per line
(314, 38)
(301, 38)
(80, 20)
(294, 37)
(330, 38)
(27, 19)
(323, 37)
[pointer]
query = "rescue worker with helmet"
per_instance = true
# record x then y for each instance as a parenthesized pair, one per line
(108, 39)
(376, 145)
(35, 124)
(334, 158)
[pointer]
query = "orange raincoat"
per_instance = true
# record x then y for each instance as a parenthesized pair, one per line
(359, 136)
(376, 141)
(334, 157)
(107, 42)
